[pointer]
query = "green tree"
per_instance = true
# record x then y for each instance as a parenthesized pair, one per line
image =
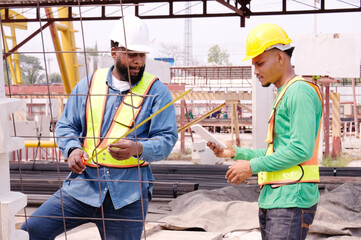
(55, 78)
(31, 70)
(7, 75)
(92, 51)
(218, 55)
(171, 50)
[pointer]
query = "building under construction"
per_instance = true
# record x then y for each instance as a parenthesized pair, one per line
(190, 191)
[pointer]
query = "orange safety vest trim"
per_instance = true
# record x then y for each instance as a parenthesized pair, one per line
(123, 119)
(307, 171)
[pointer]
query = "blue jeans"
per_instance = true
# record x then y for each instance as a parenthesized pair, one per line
(286, 223)
(41, 226)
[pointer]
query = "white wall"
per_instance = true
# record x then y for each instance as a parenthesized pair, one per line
(157, 68)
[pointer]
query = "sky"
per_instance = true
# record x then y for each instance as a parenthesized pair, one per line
(206, 32)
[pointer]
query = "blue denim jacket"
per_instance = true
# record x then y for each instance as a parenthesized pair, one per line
(158, 137)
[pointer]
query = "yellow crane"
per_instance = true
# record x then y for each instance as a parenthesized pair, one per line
(13, 59)
(65, 48)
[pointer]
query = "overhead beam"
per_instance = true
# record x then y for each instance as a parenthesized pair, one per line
(240, 9)
(26, 40)
(233, 8)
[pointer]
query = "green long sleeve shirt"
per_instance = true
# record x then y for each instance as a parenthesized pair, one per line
(297, 122)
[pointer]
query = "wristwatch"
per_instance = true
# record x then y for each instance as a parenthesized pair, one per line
(71, 149)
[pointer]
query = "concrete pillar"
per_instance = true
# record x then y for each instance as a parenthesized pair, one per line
(355, 117)
(234, 118)
(326, 120)
(182, 123)
(10, 202)
(336, 125)
(262, 101)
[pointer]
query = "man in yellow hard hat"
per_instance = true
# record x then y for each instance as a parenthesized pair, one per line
(288, 168)
(111, 181)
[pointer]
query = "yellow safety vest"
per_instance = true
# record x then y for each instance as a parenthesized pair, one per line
(307, 171)
(122, 122)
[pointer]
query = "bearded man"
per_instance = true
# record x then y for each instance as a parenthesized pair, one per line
(110, 188)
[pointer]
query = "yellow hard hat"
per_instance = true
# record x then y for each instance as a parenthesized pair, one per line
(266, 36)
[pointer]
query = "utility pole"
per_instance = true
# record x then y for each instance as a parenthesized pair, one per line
(315, 17)
(49, 66)
(355, 116)
(188, 43)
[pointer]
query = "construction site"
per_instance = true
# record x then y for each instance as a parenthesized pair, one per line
(47, 51)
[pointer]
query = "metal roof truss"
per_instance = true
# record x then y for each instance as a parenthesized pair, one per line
(231, 8)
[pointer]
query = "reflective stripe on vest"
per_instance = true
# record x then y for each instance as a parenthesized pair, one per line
(307, 171)
(123, 119)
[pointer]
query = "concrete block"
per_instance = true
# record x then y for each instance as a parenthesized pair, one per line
(7, 143)
(201, 154)
(10, 204)
(197, 147)
(31, 129)
(4, 173)
(159, 69)
(262, 102)
(150, 228)
(90, 231)
(84, 232)
(182, 235)
(244, 235)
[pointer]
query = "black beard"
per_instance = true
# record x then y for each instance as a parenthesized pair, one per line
(123, 70)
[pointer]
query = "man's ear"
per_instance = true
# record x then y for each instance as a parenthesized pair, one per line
(281, 57)
(113, 53)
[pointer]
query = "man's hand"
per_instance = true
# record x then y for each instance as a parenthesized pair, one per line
(125, 149)
(75, 162)
(238, 172)
(229, 152)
